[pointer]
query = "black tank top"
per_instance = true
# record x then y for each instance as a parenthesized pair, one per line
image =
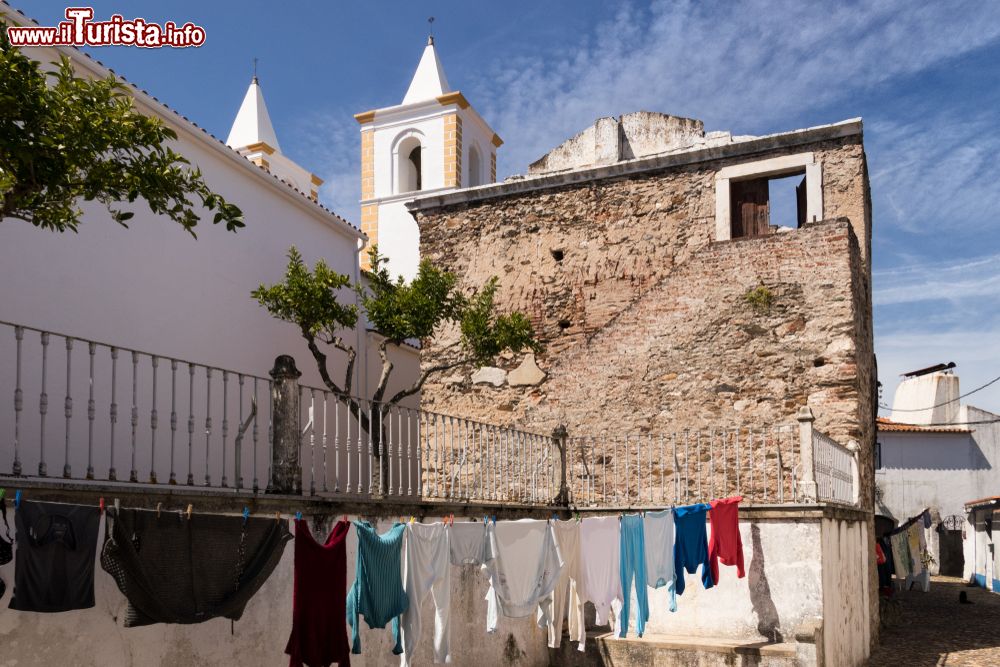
(54, 559)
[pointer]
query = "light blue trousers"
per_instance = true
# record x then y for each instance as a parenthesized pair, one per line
(633, 566)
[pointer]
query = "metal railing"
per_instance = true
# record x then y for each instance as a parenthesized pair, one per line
(214, 435)
(836, 468)
(224, 428)
(684, 466)
(418, 453)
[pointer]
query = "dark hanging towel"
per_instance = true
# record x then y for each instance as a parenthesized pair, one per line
(319, 634)
(178, 570)
(54, 560)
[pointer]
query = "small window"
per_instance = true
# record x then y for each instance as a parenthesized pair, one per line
(878, 456)
(763, 206)
(414, 159)
(407, 166)
(475, 168)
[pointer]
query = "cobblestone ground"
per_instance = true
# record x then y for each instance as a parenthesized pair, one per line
(934, 629)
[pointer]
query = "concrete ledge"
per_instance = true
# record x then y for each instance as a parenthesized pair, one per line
(603, 648)
(702, 644)
(231, 500)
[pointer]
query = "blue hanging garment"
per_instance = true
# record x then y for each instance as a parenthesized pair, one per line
(377, 592)
(691, 544)
(632, 564)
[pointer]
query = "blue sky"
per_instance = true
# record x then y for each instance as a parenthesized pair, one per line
(924, 76)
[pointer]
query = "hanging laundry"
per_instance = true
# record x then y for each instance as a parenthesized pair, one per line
(658, 531)
(54, 559)
(726, 544)
(691, 544)
(885, 568)
(913, 545)
(468, 543)
(319, 636)
(427, 570)
(175, 569)
(900, 554)
(377, 592)
(600, 571)
(633, 566)
(524, 565)
(566, 595)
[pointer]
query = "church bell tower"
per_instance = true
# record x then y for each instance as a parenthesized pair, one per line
(433, 142)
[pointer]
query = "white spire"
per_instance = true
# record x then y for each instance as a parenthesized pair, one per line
(429, 80)
(253, 124)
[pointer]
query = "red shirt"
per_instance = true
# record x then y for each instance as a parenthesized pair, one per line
(319, 633)
(725, 544)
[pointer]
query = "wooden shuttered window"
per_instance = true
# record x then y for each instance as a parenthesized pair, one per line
(750, 208)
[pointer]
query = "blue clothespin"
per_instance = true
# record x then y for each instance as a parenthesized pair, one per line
(298, 516)
(17, 498)
(494, 519)
(246, 515)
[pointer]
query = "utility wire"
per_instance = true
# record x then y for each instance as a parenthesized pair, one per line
(968, 393)
(979, 421)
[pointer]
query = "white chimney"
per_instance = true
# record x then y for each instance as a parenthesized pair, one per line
(927, 399)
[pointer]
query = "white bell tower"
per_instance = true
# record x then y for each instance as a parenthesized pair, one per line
(433, 142)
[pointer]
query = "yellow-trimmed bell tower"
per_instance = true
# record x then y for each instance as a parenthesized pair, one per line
(432, 143)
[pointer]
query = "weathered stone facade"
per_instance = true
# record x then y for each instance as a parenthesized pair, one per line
(645, 317)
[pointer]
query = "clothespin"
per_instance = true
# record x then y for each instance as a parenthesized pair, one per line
(159, 506)
(190, 507)
(246, 514)
(494, 519)
(17, 498)
(118, 506)
(298, 516)
(101, 506)
(412, 519)
(2, 492)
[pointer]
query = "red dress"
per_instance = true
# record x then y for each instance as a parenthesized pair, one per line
(319, 629)
(725, 544)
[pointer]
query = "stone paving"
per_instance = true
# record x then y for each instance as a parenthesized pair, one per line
(934, 629)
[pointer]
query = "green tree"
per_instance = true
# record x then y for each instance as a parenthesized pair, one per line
(65, 139)
(399, 312)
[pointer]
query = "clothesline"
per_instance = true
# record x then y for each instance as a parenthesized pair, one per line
(909, 522)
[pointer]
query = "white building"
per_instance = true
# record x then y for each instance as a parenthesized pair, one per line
(154, 288)
(935, 452)
(433, 142)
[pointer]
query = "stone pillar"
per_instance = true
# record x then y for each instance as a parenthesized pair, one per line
(560, 440)
(286, 472)
(807, 482)
(855, 449)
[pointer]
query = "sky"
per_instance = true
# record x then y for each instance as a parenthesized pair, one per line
(924, 77)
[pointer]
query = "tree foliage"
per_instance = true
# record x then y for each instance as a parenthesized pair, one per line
(65, 139)
(399, 311)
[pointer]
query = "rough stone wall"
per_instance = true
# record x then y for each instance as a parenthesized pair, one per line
(644, 316)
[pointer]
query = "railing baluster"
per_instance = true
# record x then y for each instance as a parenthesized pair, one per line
(112, 474)
(190, 475)
(225, 425)
(133, 475)
(255, 434)
(312, 442)
(326, 472)
(237, 454)
(91, 412)
(336, 443)
(403, 444)
(153, 421)
(173, 420)
(18, 403)
(208, 423)
(372, 425)
(43, 406)
(68, 406)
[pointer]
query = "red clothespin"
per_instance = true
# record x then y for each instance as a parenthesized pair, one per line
(101, 506)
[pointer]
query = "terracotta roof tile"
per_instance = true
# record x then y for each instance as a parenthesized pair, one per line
(887, 425)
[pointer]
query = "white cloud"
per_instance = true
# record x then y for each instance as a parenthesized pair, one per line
(973, 279)
(744, 66)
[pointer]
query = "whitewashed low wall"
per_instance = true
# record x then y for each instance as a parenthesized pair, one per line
(96, 637)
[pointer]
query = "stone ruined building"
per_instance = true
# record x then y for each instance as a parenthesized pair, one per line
(667, 298)
(673, 291)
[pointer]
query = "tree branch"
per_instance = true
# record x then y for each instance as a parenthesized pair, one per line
(383, 380)
(400, 395)
(352, 354)
(320, 358)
